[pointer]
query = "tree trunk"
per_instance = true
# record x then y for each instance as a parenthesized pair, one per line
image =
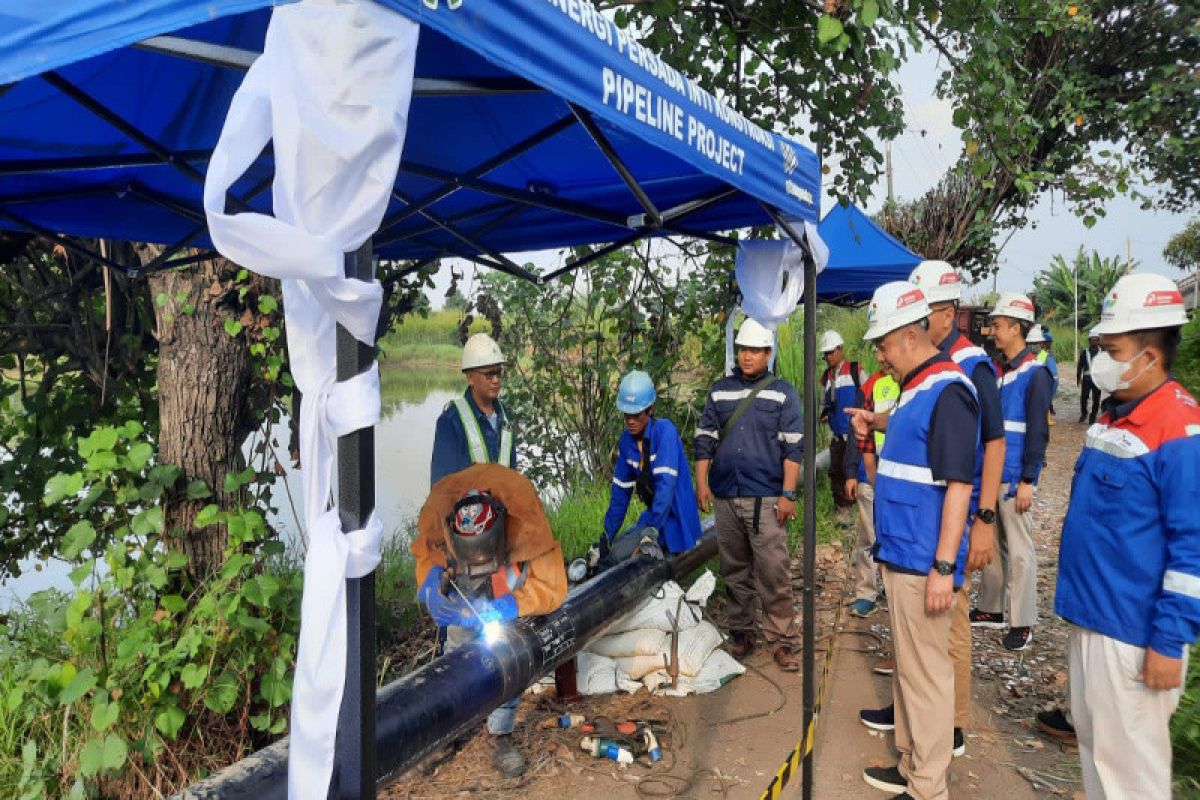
(204, 377)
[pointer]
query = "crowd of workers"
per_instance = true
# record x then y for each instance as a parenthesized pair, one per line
(940, 451)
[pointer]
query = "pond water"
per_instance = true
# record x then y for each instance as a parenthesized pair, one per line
(413, 397)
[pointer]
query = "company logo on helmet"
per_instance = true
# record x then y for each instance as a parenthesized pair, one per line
(1025, 304)
(1165, 298)
(908, 298)
(948, 278)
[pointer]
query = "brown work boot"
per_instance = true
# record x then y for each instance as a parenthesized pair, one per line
(741, 644)
(785, 658)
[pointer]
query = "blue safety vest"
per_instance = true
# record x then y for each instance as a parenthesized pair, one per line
(1014, 387)
(1129, 564)
(968, 357)
(908, 501)
(841, 392)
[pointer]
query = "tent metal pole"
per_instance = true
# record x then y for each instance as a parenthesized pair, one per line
(69, 244)
(356, 768)
(452, 185)
(610, 153)
(593, 256)
(810, 494)
(83, 163)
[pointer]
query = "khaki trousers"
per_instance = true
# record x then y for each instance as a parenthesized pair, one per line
(1123, 727)
(960, 654)
(756, 567)
(922, 685)
(866, 581)
(1009, 584)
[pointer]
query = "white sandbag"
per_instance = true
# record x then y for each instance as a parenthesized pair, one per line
(719, 668)
(638, 666)
(657, 611)
(599, 675)
(695, 645)
(699, 592)
(645, 642)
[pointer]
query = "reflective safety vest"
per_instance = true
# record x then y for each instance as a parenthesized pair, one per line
(1014, 387)
(969, 356)
(475, 444)
(908, 500)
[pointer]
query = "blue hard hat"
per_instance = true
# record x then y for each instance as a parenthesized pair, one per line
(1046, 333)
(636, 393)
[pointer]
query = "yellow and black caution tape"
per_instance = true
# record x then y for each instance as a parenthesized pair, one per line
(804, 747)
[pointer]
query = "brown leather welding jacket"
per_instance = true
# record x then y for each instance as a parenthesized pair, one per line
(531, 544)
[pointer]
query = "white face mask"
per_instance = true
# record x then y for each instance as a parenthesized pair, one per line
(1107, 372)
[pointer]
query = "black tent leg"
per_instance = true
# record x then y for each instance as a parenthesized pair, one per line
(810, 511)
(355, 768)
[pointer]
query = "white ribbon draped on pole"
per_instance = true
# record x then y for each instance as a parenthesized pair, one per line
(770, 277)
(331, 94)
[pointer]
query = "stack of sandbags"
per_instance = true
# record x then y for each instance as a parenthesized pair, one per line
(636, 650)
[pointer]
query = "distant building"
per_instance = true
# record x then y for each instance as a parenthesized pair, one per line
(1189, 287)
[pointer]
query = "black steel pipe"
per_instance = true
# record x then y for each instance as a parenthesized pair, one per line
(446, 698)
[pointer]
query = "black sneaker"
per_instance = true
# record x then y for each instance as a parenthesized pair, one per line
(888, 779)
(1054, 724)
(879, 719)
(1017, 639)
(960, 743)
(986, 619)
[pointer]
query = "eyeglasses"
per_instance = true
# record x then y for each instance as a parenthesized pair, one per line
(492, 374)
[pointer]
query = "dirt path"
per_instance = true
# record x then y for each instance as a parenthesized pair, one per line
(710, 756)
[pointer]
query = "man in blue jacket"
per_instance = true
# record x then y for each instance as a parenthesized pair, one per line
(651, 461)
(1129, 565)
(475, 428)
(749, 441)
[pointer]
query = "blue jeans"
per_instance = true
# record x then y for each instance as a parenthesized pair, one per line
(501, 721)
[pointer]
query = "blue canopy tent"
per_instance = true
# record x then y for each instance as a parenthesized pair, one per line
(533, 125)
(862, 256)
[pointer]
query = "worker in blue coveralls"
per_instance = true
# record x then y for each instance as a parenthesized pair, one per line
(475, 428)
(839, 385)
(1129, 565)
(650, 461)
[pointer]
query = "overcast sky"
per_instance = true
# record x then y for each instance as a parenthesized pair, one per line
(929, 146)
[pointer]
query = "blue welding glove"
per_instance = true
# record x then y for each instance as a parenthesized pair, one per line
(503, 609)
(445, 611)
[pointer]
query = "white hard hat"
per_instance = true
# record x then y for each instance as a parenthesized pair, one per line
(938, 281)
(481, 350)
(1093, 333)
(1035, 335)
(753, 334)
(830, 341)
(1141, 302)
(1014, 305)
(893, 306)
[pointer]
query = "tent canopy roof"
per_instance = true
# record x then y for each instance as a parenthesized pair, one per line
(862, 257)
(533, 126)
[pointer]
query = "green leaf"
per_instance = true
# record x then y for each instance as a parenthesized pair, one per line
(198, 490)
(176, 560)
(869, 13)
(174, 603)
(104, 714)
(140, 454)
(828, 28)
(98, 440)
(233, 327)
(267, 304)
(104, 755)
(222, 694)
(79, 537)
(81, 684)
(161, 299)
(82, 572)
(62, 485)
(169, 721)
(207, 516)
(148, 521)
(193, 675)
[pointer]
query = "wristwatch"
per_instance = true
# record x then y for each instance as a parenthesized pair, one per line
(788, 494)
(987, 516)
(944, 567)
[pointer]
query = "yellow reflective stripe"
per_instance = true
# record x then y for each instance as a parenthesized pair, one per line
(475, 443)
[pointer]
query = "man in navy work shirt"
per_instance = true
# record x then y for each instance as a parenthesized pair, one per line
(1129, 565)
(923, 485)
(475, 428)
(748, 448)
(1026, 389)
